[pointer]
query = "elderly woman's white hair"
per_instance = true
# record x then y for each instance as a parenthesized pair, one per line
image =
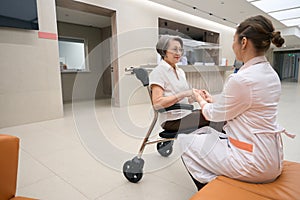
(163, 44)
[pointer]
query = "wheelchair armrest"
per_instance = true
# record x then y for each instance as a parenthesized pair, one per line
(177, 106)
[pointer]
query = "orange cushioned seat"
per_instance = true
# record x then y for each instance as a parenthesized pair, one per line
(9, 155)
(285, 187)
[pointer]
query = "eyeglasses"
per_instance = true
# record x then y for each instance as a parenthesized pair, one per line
(176, 50)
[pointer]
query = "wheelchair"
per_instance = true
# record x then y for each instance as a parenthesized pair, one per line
(133, 169)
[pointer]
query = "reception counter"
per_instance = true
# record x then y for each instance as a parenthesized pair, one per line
(205, 68)
(211, 78)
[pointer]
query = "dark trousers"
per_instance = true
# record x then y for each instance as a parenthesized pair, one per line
(194, 120)
(197, 183)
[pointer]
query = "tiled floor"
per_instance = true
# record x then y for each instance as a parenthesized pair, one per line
(81, 155)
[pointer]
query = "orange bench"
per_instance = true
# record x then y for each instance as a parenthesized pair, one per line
(285, 187)
(9, 155)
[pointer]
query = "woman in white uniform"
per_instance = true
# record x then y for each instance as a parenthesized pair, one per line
(251, 149)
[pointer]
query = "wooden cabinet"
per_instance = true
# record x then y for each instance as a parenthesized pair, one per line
(201, 46)
(168, 27)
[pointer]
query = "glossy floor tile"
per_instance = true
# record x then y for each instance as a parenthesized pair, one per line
(81, 155)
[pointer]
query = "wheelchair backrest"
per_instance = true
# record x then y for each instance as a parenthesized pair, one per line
(142, 75)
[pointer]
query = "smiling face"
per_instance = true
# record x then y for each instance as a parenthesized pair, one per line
(174, 52)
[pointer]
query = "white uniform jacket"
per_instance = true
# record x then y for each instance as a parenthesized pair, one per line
(251, 149)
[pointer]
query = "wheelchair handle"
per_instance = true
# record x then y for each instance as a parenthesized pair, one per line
(142, 75)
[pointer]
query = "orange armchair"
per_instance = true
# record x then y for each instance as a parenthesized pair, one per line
(9, 157)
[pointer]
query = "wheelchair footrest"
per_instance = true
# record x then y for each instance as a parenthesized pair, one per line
(170, 134)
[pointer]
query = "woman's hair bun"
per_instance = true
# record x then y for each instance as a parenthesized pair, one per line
(277, 40)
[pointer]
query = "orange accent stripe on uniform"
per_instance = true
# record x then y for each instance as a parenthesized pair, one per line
(241, 145)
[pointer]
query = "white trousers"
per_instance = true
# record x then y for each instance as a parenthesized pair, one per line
(208, 153)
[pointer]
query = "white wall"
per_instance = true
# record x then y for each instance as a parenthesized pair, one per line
(137, 27)
(30, 87)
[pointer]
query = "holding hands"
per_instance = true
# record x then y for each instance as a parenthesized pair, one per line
(202, 97)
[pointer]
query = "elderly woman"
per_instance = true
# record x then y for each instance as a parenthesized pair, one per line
(251, 149)
(169, 86)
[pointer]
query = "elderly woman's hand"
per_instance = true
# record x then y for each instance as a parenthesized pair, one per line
(197, 95)
(200, 96)
(206, 96)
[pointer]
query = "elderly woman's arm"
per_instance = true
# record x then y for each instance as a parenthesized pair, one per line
(159, 101)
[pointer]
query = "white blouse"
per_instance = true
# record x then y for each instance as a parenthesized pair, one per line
(164, 76)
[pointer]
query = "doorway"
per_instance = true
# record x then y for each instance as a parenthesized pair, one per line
(286, 64)
(88, 28)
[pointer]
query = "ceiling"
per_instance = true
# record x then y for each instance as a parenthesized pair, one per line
(226, 12)
(231, 13)
(287, 12)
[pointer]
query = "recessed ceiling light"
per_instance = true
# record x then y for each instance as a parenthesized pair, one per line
(275, 5)
(287, 12)
(291, 22)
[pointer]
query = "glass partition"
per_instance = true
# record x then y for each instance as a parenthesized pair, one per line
(72, 54)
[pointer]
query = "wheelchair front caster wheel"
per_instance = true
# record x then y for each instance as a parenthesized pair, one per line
(133, 169)
(165, 148)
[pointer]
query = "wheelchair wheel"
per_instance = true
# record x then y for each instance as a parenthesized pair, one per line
(165, 148)
(133, 169)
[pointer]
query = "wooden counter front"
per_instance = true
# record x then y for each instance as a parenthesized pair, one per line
(211, 78)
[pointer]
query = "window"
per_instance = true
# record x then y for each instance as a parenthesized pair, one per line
(72, 54)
